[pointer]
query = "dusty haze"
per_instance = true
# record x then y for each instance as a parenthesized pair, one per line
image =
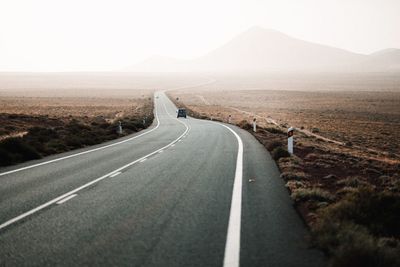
(92, 35)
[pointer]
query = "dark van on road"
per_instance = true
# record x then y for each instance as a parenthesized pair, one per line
(181, 112)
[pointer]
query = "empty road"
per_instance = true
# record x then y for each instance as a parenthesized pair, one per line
(175, 194)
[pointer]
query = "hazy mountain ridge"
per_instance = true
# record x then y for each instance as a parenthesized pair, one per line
(260, 49)
(384, 60)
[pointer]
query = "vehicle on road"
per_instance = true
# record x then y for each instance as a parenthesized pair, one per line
(181, 113)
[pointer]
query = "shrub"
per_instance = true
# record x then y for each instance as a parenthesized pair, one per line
(348, 143)
(293, 175)
(15, 150)
(315, 194)
(73, 141)
(280, 152)
(131, 124)
(315, 130)
(351, 182)
(41, 134)
(360, 230)
(245, 125)
(274, 145)
(378, 211)
(354, 246)
(41, 141)
(274, 130)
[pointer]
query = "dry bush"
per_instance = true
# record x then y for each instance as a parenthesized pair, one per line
(14, 150)
(274, 130)
(352, 182)
(293, 185)
(314, 194)
(293, 175)
(362, 229)
(274, 145)
(280, 152)
(61, 135)
(245, 125)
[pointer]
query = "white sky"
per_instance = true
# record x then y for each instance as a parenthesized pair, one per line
(74, 35)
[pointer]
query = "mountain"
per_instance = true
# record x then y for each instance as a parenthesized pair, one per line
(260, 49)
(384, 60)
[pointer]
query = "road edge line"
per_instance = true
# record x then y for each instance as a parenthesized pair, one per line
(232, 245)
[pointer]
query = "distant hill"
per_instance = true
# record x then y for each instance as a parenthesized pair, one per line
(260, 49)
(384, 60)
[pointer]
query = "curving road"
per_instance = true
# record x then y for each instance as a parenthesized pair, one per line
(176, 194)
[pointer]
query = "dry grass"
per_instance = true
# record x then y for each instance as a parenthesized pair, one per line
(37, 120)
(366, 120)
(21, 110)
(346, 140)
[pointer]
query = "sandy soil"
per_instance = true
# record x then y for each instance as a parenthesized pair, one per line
(366, 120)
(345, 138)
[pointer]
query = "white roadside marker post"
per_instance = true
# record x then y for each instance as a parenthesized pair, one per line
(254, 125)
(290, 140)
(119, 127)
(229, 118)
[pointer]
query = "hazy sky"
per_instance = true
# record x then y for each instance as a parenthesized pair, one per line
(73, 35)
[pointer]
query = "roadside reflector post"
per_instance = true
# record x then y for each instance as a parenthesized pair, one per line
(290, 140)
(229, 118)
(254, 125)
(144, 121)
(119, 130)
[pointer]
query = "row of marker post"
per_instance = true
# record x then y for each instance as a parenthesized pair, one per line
(290, 133)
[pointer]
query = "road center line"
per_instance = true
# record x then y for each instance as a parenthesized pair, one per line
(66, 199)
(232, 246)
(115, 174)
(57, 199)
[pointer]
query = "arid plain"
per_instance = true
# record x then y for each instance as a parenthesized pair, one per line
(344, 176)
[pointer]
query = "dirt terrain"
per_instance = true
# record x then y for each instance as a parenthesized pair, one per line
(18, 113)
(366, 120)
(344, 176)
(37, 120)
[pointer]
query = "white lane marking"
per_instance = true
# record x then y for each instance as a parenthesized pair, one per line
(161, 151)
(66, 199)
(87, 151)
(55, 200)
(143, 160)
(115, 174)
(232, 246)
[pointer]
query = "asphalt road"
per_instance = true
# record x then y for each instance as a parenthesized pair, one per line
(176, 194)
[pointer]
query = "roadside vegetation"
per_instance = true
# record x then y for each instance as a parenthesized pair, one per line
(57, 135)
(349, 200)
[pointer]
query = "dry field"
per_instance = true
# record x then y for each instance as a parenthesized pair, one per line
(366, 117)
(19, 113)
(28, 100)
(345, 175)
(44, 114)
